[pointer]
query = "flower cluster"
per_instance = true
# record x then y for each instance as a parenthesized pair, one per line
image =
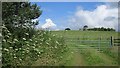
(40, 44)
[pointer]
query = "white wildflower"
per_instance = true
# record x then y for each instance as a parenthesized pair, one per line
(19, 48)
(44, 32)
(30, 39)
(33, 47)
(0, 35)
(16, 49)
(55, 46)
(10, 47)
(9, 42)
(47, 43)
(6, 49)
(27, 51)
(10, 53)
(61, 57)
(35, 41)
(40, 43)
(23, 52)
(39, 52)
(9, 33)
(41, 39)
(4, 40)
(28, 45)
(15, 40)
(7, 36)
(36, 49)
(24, 38)
(33, 44)
(0, 48)
(38, 55)
(57, 42)
(49, 39)
(15, 57)
(33, 35)
(26, 33)
(20, 59)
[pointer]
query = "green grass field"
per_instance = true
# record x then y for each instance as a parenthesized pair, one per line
(89, 48)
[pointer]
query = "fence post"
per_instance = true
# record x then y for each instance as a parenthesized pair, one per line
(99, 43)
(111, 42)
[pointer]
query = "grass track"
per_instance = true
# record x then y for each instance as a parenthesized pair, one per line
(95, 58)
(84, 54)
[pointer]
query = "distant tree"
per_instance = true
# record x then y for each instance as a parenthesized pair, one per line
(85, 27)
(67, 29)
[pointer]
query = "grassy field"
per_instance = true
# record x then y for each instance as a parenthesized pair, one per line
(89, 48)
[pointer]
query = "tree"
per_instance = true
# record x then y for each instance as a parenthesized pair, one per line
(85, 27)
(67, 29)
(17, 18)
(18, 27)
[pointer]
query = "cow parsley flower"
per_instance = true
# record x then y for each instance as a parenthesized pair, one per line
(20, 59)
(33, 44)
(24, 38)
(9, 33)
(30, 39)
(4, 40)
(16, 49)
(19, 48)
(55, 46)
(10, 47)
(47, 43)
(7, 36)
(15, 57)
(57, 42)
(15, 40)
(49, 39)
(41, 40)
(28, 45)
(6, 49)
(35, 41)
(40, 43)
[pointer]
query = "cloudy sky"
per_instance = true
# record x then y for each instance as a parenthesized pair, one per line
(60, 15)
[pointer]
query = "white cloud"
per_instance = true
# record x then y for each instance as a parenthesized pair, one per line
(49, 24)
(102, 16)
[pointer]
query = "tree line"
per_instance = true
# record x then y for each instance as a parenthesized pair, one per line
(101, 29)
(94, 29)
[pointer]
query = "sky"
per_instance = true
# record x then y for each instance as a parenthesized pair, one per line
(74, 15)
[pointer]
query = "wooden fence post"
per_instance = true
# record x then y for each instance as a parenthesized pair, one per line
(111, 41)
(99, 43)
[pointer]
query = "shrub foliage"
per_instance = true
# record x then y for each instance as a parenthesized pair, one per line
(22, 45)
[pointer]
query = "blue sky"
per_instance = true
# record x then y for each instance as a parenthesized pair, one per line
(61, 12)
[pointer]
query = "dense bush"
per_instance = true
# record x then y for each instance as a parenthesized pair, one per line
(43, 43)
